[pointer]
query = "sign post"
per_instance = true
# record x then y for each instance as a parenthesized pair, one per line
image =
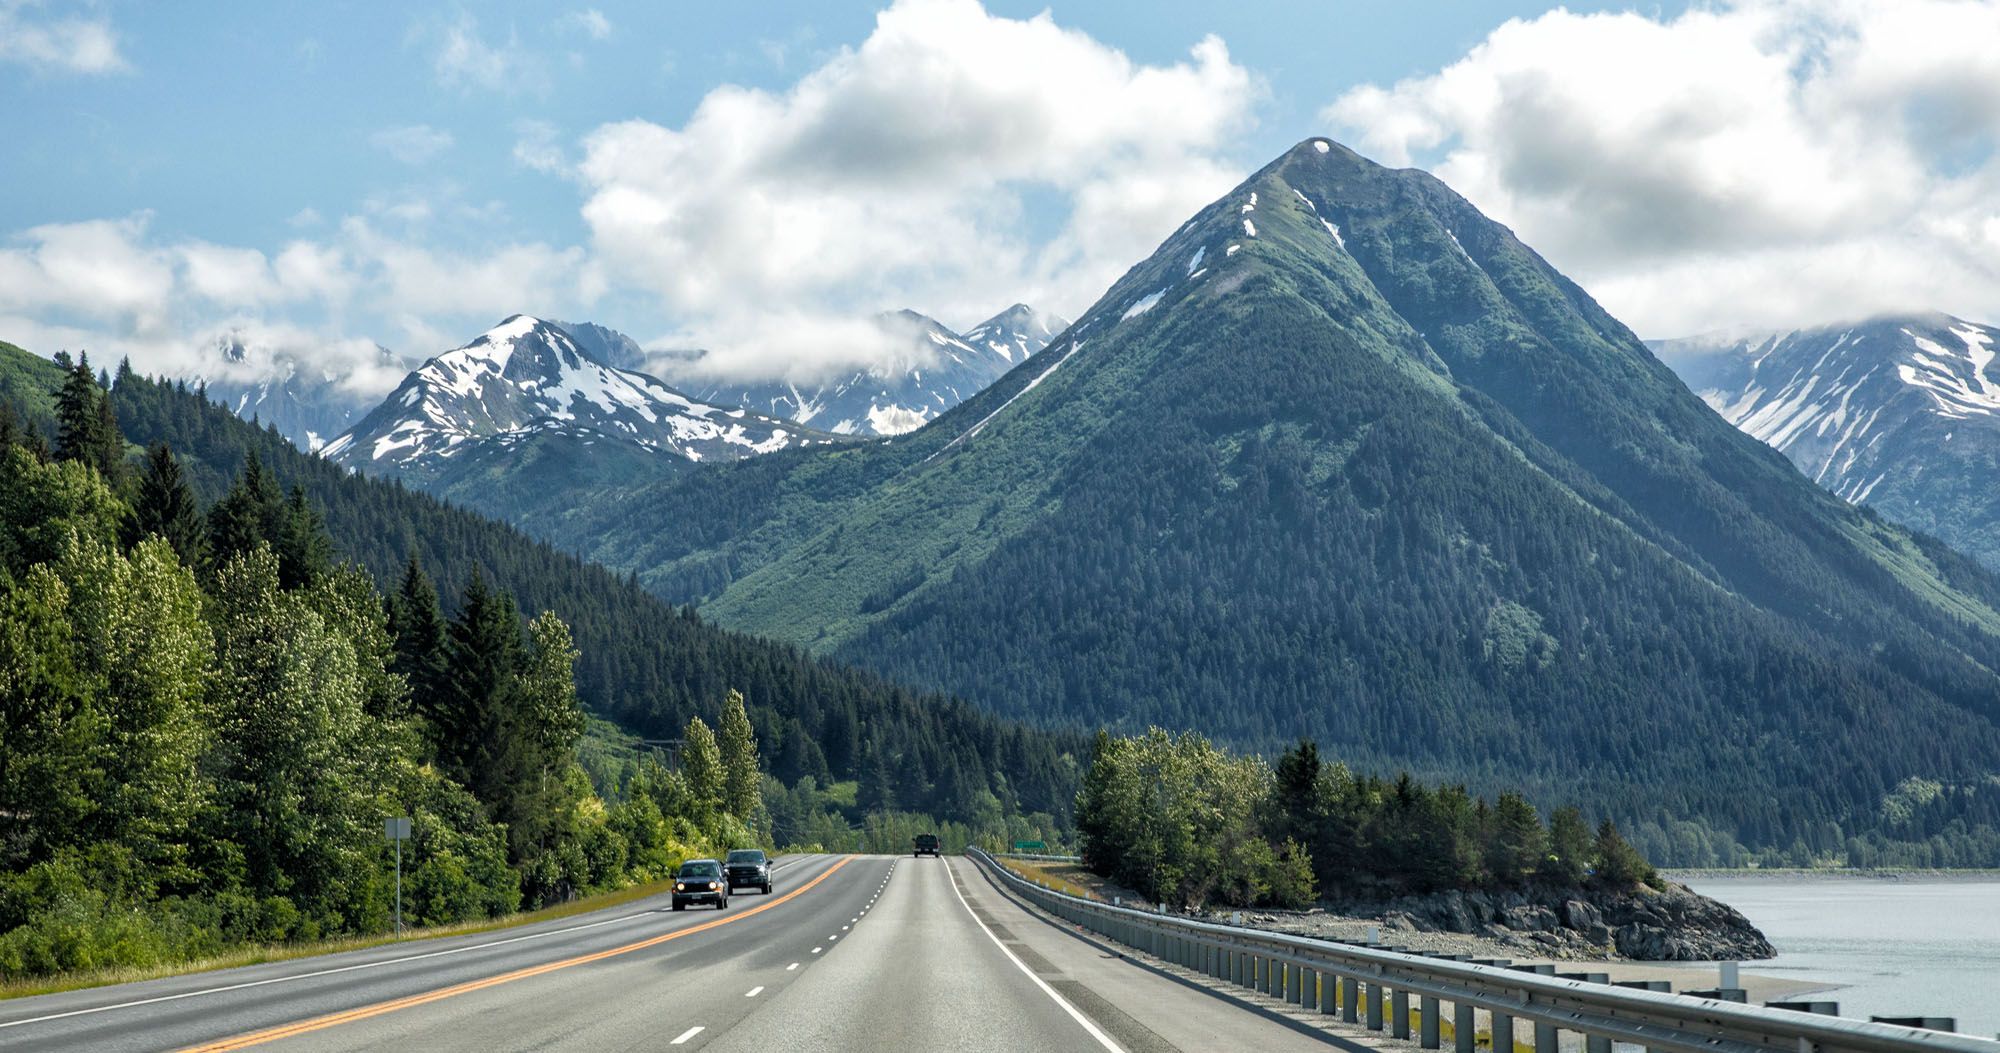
(398, 831)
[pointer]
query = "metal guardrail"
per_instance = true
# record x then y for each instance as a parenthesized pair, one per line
(1383, 983)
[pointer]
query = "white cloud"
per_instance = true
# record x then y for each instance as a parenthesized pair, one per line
(1765, 162)
(589, 21)
(535, 147)
(109, 287)
(412, 144)
(896, 173)
(69, 45)
(465, 60)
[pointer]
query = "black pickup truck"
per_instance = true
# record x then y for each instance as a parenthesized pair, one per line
(927, 845)
(748, 868)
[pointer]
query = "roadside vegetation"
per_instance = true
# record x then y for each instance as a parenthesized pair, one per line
(207, 721)
(1189, 825)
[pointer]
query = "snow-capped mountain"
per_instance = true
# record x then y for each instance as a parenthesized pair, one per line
(1016, 333)
(308, 402)
(1900, 413)
(608, 346)
(529, 379)
(943, 369)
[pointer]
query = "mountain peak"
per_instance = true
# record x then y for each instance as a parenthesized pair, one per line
(527, 377)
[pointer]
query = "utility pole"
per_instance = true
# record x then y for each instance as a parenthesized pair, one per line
(398, 831)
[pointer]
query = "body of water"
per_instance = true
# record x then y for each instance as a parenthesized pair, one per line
(1903, 946)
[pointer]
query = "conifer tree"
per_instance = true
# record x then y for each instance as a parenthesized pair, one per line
(166, 506)
(86, 428)
(485, 659)
(246, 515)
(417, 625)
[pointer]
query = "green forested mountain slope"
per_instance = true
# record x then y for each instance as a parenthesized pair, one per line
(645, 664)
(1345, 458)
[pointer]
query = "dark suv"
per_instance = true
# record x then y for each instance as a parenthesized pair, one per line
(748, 868)
(700, 881)
(927, 845)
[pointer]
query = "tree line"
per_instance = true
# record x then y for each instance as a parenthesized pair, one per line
(206, 719)
(1182, 822)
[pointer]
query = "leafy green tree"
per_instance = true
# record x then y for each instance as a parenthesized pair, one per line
(165, 506)
(740, 777)
(701, 766)
(296, 763)
(51, 726)
(137, 627)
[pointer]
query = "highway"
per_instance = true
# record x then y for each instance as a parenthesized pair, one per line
(848, 953)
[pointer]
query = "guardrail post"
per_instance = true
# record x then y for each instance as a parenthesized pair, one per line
(1503, 1033)
(1329, 992)
(1308, 988)
(1374, 1006)
(1464, 1038)
(1546, 1038)
(1427, 1024)
(1350, 1000)
(1265, 967)
(1399, 1007)
(1595, 1044)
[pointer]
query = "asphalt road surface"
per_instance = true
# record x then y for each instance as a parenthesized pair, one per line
(849, 953)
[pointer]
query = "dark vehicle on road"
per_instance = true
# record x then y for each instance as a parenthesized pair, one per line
(748, 868)
(700, 881)
(927, 845)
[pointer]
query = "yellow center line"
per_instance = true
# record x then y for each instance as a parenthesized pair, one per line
(258, 1038)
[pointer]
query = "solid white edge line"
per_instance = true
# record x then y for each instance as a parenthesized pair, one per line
(1087, 1024)
(688, 1034)
(335, 971)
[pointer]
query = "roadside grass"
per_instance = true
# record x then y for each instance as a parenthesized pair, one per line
(1069, 878)
(260, 954)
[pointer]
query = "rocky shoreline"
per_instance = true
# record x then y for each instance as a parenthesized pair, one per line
(1673, 924)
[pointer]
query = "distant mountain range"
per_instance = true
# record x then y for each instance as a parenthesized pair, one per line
(1900, 413)
(523, 411)
(1346, 459)
(934, 370)
(306, 401)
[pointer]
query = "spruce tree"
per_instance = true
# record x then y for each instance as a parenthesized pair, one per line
(485, 660)
(245, 516)
(166, 506)
(741, 793)
(418, 627)
(86, 429)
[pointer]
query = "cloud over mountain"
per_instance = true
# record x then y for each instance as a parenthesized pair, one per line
(1763, 162)
(899, 172)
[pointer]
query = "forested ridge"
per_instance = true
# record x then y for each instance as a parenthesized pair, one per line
(1380, 476)
(647, 665)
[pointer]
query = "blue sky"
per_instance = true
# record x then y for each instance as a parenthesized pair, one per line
(328, 176)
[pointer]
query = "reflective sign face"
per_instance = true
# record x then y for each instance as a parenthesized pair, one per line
(396, 829)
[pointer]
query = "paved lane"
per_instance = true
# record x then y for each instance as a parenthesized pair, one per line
(177, 1012)
(852, 953)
